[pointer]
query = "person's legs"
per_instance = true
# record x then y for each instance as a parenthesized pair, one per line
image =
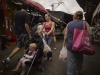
(46, 40)
(24, 66)
(17, 67)
(26, 43)
(20, 43)
(71, 63)
(23, 71)
(79, 58)
(50, 40)
(14, 52)
(49, 55)
(19, 64)
(7, 60)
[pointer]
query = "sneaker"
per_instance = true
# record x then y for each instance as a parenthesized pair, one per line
(6, 63)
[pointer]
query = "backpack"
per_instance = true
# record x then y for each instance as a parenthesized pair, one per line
(34, 29)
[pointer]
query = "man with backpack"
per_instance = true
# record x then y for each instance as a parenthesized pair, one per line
(22, 31)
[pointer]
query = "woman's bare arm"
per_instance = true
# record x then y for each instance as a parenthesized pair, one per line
(52, 28)
(65, 34)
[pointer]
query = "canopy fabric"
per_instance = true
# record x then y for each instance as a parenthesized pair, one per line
(36, 5)
(42, 9)
(96, 11)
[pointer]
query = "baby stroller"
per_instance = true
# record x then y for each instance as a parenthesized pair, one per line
(37, 59)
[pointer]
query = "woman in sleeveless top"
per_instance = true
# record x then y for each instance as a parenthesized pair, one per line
(74, 59)
(49, 33)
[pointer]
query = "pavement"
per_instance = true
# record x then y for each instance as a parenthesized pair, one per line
(91, 64)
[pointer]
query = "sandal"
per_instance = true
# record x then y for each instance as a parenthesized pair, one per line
(50, 59)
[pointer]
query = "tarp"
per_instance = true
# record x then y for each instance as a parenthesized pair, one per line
(96, 11)
(36, 5)
(41, 8)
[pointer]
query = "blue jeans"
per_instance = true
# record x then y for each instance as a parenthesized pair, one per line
(49, 40)
(74, 62)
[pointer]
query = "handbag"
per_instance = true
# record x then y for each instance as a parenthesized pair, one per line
(54, 39)
(81, 41)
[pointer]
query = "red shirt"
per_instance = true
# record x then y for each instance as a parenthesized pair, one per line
(47, 28)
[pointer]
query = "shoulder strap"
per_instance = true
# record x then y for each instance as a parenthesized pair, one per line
(84, 25)
(44, 24)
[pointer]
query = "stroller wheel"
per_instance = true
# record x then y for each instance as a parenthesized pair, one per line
(15, 73)
(41, 68)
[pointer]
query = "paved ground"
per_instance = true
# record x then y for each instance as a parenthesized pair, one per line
(91, 64)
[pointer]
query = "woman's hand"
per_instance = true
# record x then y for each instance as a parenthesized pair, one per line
(64, 44)
(24, 55)
(46, 33)
(30, 37)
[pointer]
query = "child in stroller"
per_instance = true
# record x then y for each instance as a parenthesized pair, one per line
(36, 47)
(26, 57)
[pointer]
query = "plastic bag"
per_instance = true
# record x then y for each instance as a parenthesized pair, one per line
(46, 47)
(63, 53)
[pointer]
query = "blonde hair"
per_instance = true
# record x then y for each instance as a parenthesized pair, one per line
(33, 46)
(78, 15)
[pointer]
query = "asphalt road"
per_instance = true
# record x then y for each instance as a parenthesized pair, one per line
(91, 64)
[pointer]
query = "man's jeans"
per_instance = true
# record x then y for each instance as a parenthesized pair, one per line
(74, 62)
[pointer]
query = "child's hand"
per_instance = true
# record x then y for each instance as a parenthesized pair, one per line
(24, 55)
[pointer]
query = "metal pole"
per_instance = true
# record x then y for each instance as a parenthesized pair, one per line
(52, 7)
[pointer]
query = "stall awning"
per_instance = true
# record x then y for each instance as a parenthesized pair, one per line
(36, 5)
(97, 10)
(41, 8)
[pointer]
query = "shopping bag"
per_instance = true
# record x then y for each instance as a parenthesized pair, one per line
(81, 41)
(46, 47)
(63, 53)
(55, 39)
